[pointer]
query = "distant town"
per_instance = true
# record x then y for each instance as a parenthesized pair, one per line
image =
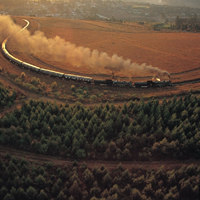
(121, 11)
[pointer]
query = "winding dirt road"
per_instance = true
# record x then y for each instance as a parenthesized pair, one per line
(42, 159)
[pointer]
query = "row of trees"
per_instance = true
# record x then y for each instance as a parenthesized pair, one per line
(20, 179)
(7, 96)
(188, 24)
(137, 130)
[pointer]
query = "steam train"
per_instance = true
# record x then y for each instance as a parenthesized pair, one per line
(85, 79)
(151, 83)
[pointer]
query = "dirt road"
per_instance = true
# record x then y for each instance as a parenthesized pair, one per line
(42, 159)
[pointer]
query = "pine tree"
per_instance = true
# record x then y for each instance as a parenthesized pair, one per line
(42, 195)
(75, 190)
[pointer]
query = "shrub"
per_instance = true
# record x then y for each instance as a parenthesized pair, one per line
(33, 88)
(57, 94)
(93, 97)
(18, 80)
(85, 92)
(35, 81)
(54, 85)
(79, 90)
(22, 75)
(73, 88)
(100, 95)
(30, 86)
(43, 85)
(80, 97)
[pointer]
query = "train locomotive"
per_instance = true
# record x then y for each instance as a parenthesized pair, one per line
(152, 83)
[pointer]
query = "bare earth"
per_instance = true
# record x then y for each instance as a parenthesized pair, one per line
(176, 52)
(43, 159)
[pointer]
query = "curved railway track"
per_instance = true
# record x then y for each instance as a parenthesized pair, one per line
(76, 77)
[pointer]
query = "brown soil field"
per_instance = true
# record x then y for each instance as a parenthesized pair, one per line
(176, 52)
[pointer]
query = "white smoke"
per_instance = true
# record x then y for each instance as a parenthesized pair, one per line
(78, 56)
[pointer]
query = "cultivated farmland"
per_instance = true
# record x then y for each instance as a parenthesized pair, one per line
(176, 52)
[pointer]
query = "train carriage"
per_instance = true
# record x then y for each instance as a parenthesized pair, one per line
(107, 82)
(78, 78)
(31, 67)
(51, 73)
(13, 59)
(84, 79)
(141, 84)
(70, 77)
(122, 84)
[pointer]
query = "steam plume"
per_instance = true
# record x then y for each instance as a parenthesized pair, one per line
(58, 49)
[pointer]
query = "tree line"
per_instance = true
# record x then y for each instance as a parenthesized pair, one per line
(135, 131)
(21, 179)
(188, 24)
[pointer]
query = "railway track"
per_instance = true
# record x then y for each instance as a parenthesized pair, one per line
(192, 81)
(197, 80)
(74, 77)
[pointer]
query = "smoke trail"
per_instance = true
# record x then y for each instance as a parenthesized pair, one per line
(58, 49)
(7, 27)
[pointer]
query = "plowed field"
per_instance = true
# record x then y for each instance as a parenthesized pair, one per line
(176, 52)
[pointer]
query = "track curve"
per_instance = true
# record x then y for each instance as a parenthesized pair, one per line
(7, 39)
(178, 83)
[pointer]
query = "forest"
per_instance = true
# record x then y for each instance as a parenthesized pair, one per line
(20, 179)
(137, 130)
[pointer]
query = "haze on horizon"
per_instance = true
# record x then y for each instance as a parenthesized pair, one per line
(190, 3)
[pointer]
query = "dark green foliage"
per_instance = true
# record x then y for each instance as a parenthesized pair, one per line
(32, 193)
(137, 130)
(7, 96)
(21, 194)
(75, 190)
(181, 183)
(136, 195)
(40, 181)
(188, 24)
(42, 195)
(61, 196)
(55, 190)
(107, 180)
(3, 192)
(88, 178)
(9, 197)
